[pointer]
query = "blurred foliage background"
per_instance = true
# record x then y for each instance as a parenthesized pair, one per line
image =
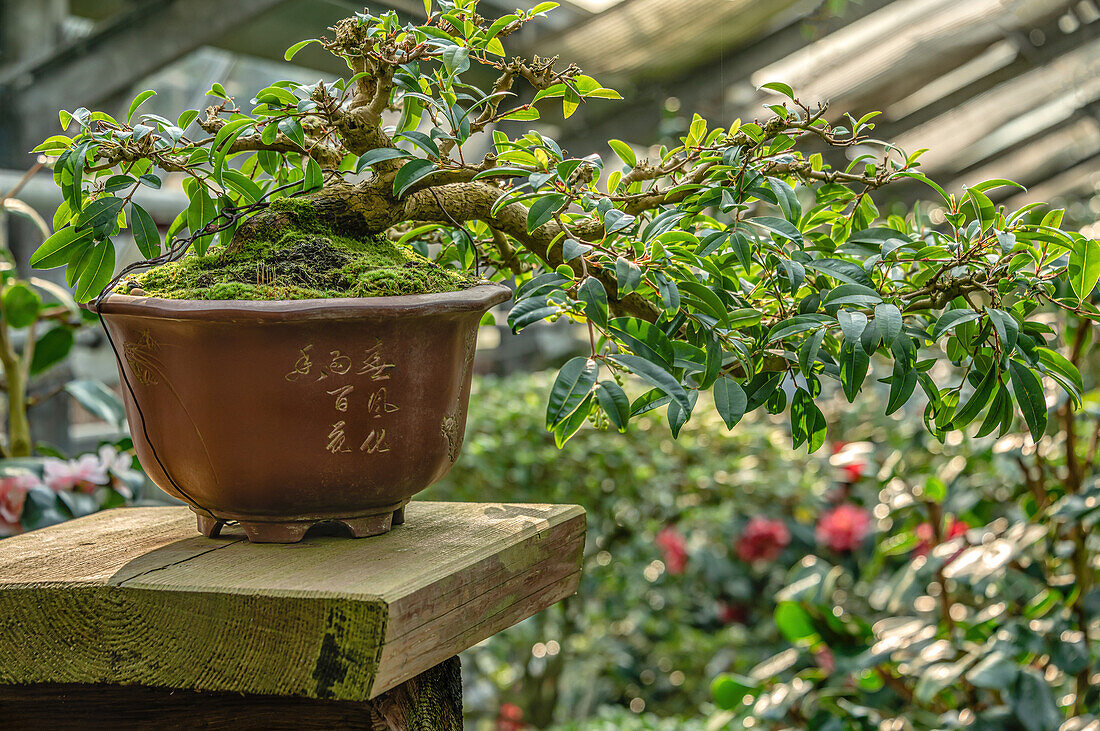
(885, 582)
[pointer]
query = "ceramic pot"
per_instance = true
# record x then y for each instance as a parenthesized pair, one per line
(284, 414)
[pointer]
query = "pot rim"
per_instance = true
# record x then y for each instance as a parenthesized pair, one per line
(477, 298)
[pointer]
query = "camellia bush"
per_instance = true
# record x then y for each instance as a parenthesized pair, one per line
(732, 262)
(886, 581)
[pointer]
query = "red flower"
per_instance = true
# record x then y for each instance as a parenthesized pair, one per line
(763, 540)
(851, 459)
(843, 528)
(674, 547)
(510, 718)
(853, 472)
(955, 528)
(732, 613)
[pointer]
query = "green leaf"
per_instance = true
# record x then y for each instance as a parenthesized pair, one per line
(615, 403)
(627, 276)
(984, 210)
(456, 59)
(420, 140)
(1033, 702)
(729, 691)
(1084, 267)
(795, 325)
(100, 213)
(51, 349)
(778, 226)
(97, 272)
(729, 400)
(903, 381)
(952, 319)
(993, 417)
(807, 352)
(146, 235)
(543, 209)
(571, 249)
(313, 178)
(705, 300)
(624, 151)
(853, 368)
(137, 102)
(21, 305)
(99, 400)
(1060, 365)
(788, 201)
(373, 157)
(1008, 330)
(779, 88)
(61, 248)
(574, 383)
(807, 422)
(656, 376)
(795, 624)
(290, 127)
(1029, 395)
(293, 50)
(851, 294)
(852, 324)
(977, 401)
(411, 172)
(564, 431)
(888, 320)
(644, 339)
(200, 212)
(592, 293)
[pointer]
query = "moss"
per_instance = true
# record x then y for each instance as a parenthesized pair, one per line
(301, 259)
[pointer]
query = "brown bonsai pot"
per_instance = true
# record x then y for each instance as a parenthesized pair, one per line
(284, 414)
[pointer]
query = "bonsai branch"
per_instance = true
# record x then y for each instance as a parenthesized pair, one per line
(474, 200)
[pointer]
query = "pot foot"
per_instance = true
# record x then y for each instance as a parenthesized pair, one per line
(372, 525)
(399, 516)
(209, 526)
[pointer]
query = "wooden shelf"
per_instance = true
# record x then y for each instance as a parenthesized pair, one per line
(135, 596)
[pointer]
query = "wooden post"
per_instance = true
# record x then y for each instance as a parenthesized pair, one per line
(130, 615)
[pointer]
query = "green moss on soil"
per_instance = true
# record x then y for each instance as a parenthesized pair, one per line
(304, 260)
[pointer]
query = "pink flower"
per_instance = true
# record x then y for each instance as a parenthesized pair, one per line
(674, 547)
(843, 528)
(85, 472)
(955, 528)
(13, 495)
(119, 464)
(762, 540)
(825, 659)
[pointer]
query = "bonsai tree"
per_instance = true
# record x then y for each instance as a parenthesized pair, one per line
(737, 262)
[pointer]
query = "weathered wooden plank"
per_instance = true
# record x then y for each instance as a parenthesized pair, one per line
(134, 596)
(432, 701)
